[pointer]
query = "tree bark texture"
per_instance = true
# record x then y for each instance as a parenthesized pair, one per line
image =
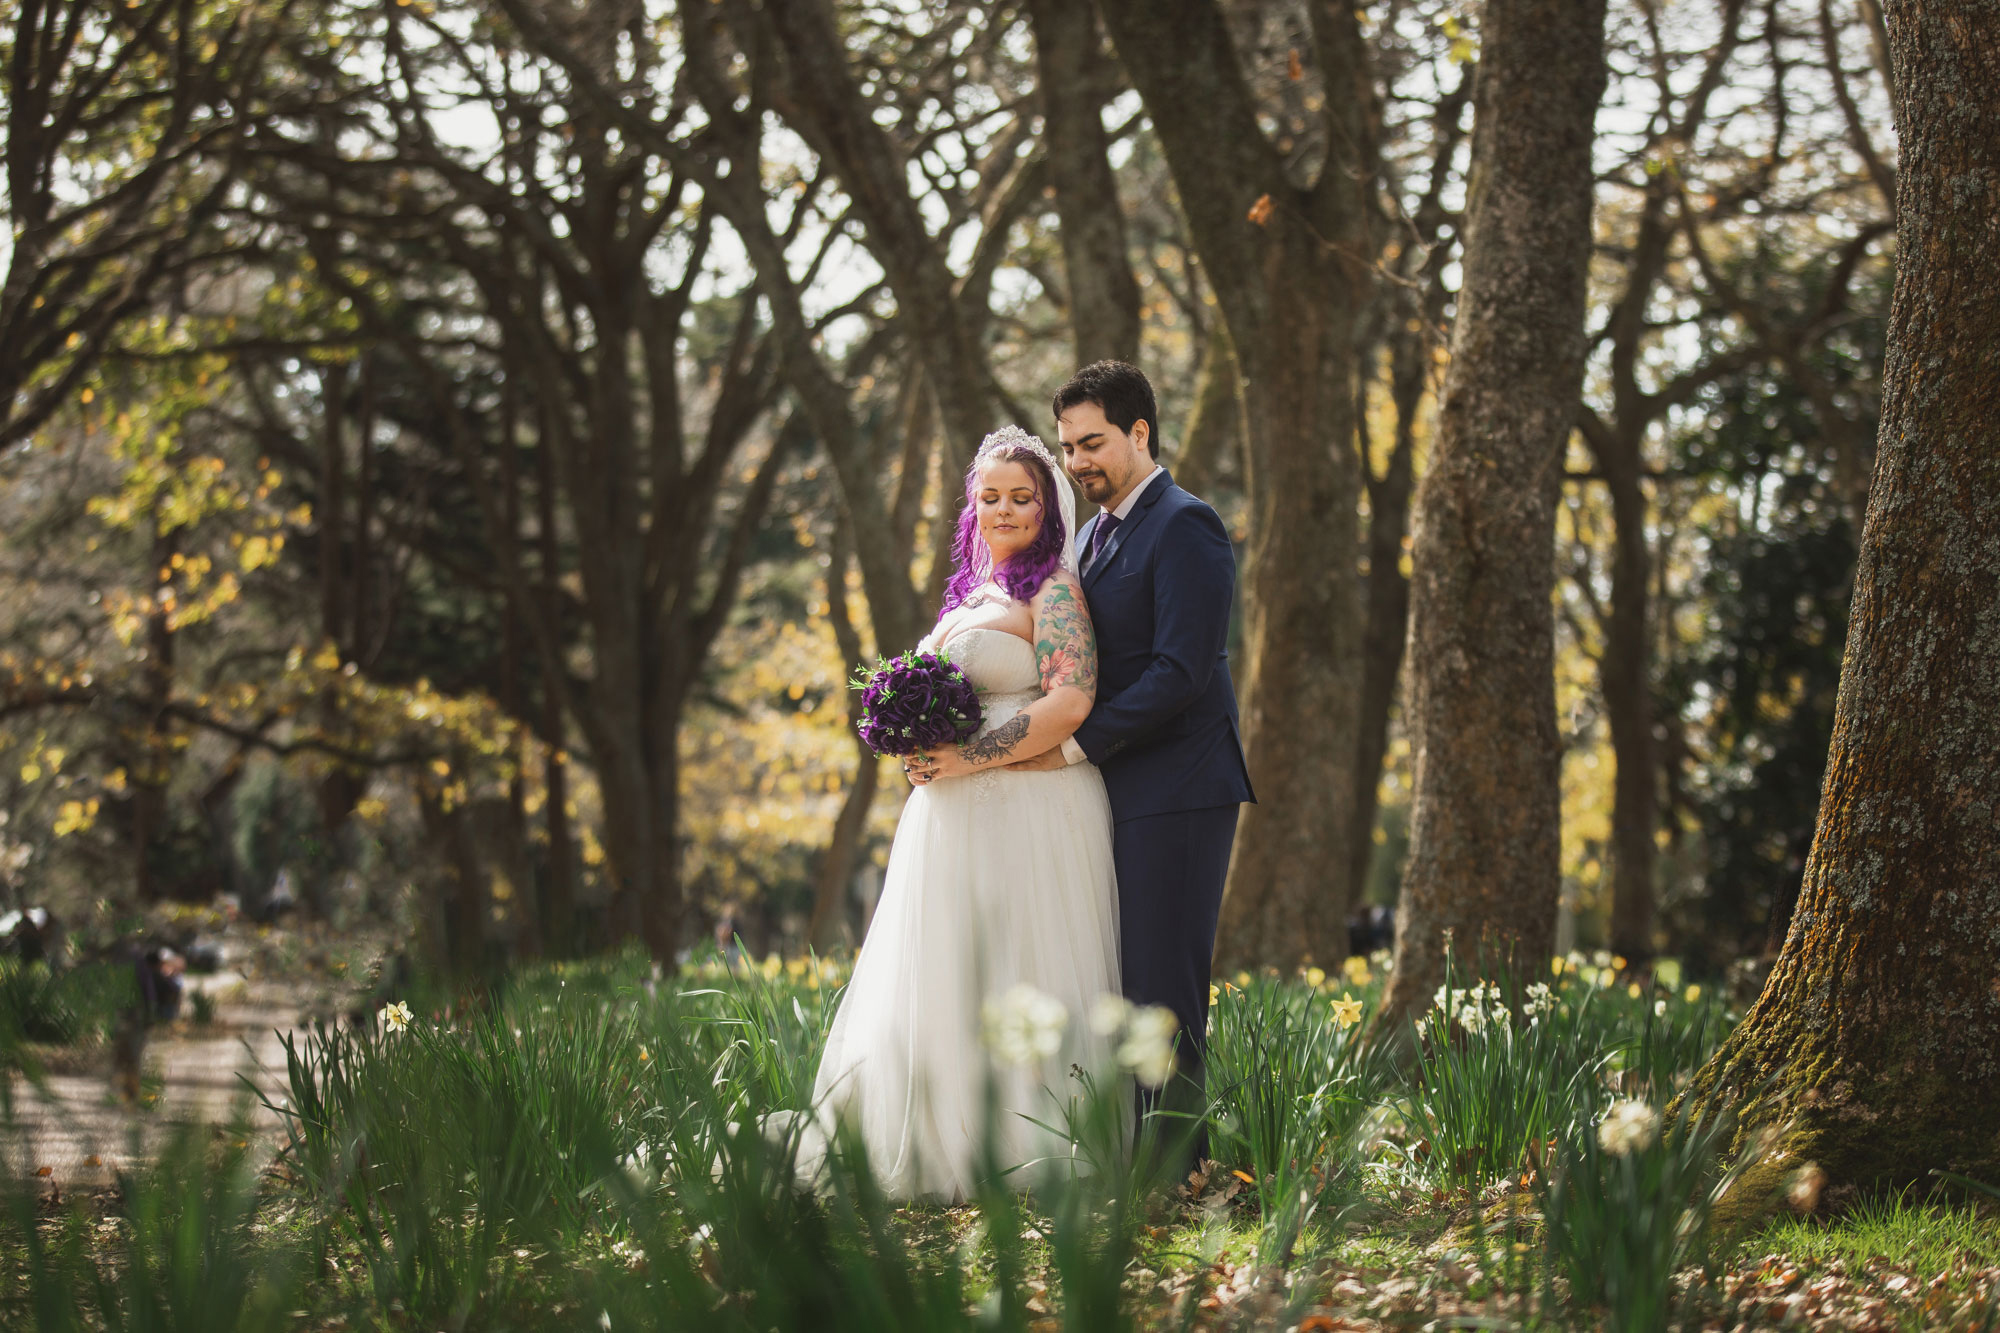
(1484, 839)
(1103, 295)
(1877, 1038)
(1289, 264)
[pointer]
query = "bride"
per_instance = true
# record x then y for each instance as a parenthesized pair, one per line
(1000, 902)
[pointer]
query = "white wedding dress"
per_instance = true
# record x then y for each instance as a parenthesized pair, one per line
(994, 880)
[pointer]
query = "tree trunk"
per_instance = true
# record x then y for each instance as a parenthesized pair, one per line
(523, 908)
(1103, 296)
(1625, 678)
(1877, 1037)
(150, 776)
(558, 896)
(823, 102)
(1289, 266)
(1387, 599)
(843, 849)
(1215, 423)
(1301, 631)
(1414, 305)
(1484, 839)
(340, 786)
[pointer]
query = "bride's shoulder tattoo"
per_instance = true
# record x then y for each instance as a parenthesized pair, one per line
(1064, 644)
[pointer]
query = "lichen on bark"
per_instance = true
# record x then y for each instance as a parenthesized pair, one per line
(1876, 1041)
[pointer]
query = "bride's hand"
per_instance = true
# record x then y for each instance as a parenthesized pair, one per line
(947, 763)
(1047, 761)
(924, 767)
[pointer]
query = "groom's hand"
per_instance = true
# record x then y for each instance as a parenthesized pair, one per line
(1047, 761)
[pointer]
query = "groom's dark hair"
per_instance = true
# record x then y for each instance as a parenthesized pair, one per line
(1122, 390)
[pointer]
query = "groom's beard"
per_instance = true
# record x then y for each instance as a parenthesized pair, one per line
(1096, 486)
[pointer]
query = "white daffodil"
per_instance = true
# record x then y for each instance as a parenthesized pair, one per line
(1024, 1025)
(1148, 1047)
(1628, 1127)
(638, 1166)
(1540, 1000)
(395, 1017)
(1110, 1013)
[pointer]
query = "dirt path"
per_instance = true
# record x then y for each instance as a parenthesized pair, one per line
(76, 1126)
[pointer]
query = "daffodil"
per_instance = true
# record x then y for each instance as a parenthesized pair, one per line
(1024, 1025)
(1315, 977)
(1347, 1010)
(1111, 1012)
(1628, 1127)
(395, 1017)
(1148, 1047)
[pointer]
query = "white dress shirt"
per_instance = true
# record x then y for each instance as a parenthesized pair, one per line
(1072, 752)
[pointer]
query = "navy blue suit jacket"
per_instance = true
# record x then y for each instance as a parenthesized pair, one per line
(1164, 729)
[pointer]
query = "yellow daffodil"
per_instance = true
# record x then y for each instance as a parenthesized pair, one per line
(1214, 994)
(1693, 994)
(1315, 977)
(1346, 1010)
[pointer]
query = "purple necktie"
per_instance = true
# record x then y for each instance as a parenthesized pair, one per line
(1107, 523)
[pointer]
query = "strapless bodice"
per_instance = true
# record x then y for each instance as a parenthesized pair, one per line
(1001, 666)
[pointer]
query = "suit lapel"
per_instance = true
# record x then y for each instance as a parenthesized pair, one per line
(1147, 499)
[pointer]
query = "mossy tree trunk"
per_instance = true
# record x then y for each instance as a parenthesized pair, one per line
(1484, 844)
(1877, 1038)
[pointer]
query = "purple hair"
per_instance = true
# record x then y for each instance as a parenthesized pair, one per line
(1022, 574)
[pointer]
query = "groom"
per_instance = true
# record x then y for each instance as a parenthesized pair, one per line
(1158, 575)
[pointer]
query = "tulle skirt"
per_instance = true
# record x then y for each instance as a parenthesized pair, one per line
(995, 881)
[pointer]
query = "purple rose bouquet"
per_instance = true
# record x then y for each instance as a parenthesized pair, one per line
(918, 701)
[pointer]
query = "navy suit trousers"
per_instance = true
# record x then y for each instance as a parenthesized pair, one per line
(1171, 869)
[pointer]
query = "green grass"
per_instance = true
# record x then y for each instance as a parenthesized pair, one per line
(1925, 1236)
(581, 1143)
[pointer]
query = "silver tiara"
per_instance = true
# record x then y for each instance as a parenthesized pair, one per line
(1014, 437)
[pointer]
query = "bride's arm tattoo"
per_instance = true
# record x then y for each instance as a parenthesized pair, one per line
(1064, 644)
(997, 745)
